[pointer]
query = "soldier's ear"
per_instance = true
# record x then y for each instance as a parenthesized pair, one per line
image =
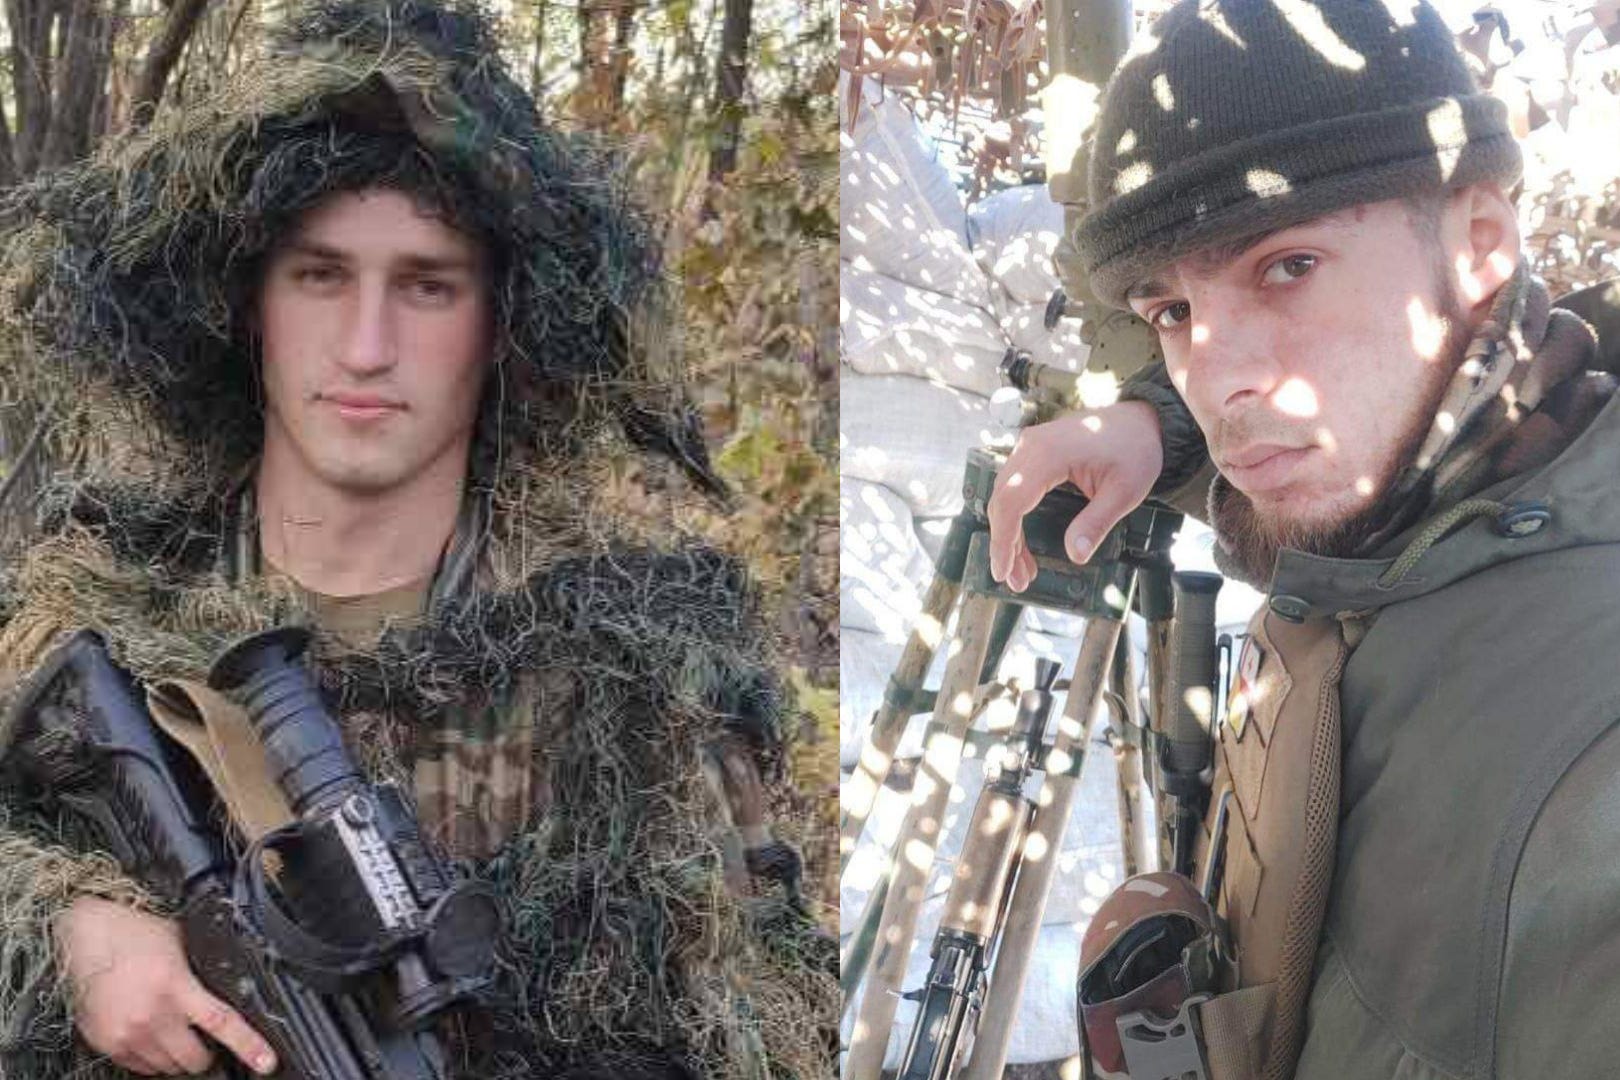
(1485, 228)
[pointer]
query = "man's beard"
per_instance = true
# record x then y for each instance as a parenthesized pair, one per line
(1247, 543)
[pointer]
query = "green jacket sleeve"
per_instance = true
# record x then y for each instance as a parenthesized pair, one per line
(1184, 481)
(1561, 970)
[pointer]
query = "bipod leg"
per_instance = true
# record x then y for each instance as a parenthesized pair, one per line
(1155, 598)
(858, 953)
(903, 696)
(1125, 736)
(919, 838)
(1041, 847)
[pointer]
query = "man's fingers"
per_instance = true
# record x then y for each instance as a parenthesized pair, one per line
(1091, 524)
(226, 1025)
(1016, 493)
(189, 1053)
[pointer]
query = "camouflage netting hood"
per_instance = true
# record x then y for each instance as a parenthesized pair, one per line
(122, 286)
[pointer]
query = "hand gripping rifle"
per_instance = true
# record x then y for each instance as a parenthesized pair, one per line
(363, 940)
(976, 906)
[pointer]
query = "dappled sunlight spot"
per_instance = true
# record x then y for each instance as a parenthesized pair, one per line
(1402, 12)
(1446, 422)
(1089, 906)
(1058, 761)
(860, 237)
(1446, 130)
(1510, 398)
(1014, 480)
(1502, 264)
(1295, 397)
(1307, 20)
(1198, 699)
(1364, 486)
(1071, 728)
(1098, 388)
(962, 703)
(1215, 18)
(1075, 100)
(1200, 334)
(874, 762)
(1162, 93)
(917, 489)
(875, 503)
(1035, 848)
(1114, 596)
(1092, 423)
(1046, 796)
(1266, 184)
(1466, 282)
(920, 854)
(1069, 1068)
(1127, 142)
(1132, 177)
(1096, 884)
(1327, 441)
(956, 797)
(1000, 812)
(1178, 378)
(1428, 328)
(931, 630)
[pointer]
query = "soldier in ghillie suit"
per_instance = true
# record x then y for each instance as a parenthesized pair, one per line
(357, 342)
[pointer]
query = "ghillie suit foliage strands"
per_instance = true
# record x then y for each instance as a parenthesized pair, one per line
(123, 287)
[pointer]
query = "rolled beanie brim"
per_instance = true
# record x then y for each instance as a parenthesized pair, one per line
(1284, 178)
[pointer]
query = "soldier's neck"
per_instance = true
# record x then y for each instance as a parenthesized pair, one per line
(340, 543)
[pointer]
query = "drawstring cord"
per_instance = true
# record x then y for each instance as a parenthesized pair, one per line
(1466, 510)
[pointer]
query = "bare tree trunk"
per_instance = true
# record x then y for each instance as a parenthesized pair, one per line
(735, 34)
(538, 53)
(8, 156)
(85, 33)
(623, 32)
(30, 24)
(178, 26)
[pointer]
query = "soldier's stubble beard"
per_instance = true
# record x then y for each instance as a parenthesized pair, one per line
(1250, 542)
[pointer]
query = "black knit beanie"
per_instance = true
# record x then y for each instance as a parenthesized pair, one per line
(1236, 117)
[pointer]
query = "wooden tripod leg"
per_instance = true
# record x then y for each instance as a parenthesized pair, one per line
(861, 791)
(919, 838)
(1028, 905)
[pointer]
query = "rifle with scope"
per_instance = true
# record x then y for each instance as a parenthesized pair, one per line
(344, 959)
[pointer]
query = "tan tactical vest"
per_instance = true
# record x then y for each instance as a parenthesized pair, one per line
(1275, 803)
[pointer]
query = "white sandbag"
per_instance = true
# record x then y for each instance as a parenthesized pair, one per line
(887, 327)
(899, 211)
(1013, 234)
(910, 435)
(883, 569)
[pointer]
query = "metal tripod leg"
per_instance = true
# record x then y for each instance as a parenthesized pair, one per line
(919, 837)
(1041, 848)
(903, 697)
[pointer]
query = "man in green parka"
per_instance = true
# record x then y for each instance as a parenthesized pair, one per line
(358, 342)
(1399, 437)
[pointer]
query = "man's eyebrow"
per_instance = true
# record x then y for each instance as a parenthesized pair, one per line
(1144, 290)
(417, 261)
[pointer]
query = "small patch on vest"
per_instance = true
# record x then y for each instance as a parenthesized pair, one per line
(1240, 700)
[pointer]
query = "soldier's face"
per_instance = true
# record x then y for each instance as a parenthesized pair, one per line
(374, 318)
(1314, 361)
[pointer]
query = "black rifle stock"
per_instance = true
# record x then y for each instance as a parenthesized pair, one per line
(80, 734)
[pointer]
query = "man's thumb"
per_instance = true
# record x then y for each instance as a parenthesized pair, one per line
(1091, 524)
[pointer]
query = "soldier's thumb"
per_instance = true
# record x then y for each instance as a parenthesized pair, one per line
(1091, 524)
